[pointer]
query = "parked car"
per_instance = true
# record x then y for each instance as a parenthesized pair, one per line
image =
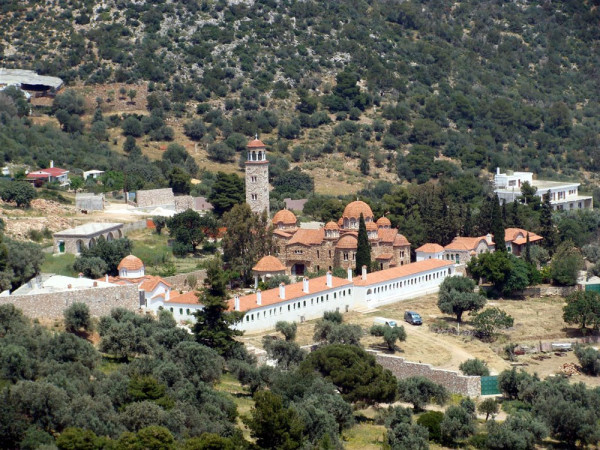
(413, 318)
(383, 321)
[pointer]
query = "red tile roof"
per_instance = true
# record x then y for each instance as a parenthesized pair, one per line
(354, 209)
(282, 233)
(256, 143)
(308, 237)
(292, 291)
(384, 222)
(151, 282)
(45, 173)
(187, 298)
(402, 271)
(285, 216)
(385, 256)
(430, 248)
(466, 243)
(269, 263)
(400, 241)
(518, 234)
(332, 226)
(131, 262)
(347, 242)
(387, 234)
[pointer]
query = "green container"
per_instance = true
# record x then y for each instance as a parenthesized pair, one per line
(489, 385)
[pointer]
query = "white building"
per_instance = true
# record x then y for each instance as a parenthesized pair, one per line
(309, 299)
(429, 251)
(563, 194)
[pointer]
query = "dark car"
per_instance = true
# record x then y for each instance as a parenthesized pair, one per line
(413, 318)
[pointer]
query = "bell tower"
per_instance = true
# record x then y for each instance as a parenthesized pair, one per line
(257, 177)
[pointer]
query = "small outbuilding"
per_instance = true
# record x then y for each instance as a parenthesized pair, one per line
(267, 267)
(74, 240)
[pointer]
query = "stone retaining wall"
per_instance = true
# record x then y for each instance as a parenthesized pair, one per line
(184, 202)
(179, 282)
(100, 301)
(546, 291)
(451, 380)
(155, 197)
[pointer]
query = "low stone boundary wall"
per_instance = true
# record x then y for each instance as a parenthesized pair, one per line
(451, 380)
(546, 291)
(100, 301)
(179, 282)
(133, 226)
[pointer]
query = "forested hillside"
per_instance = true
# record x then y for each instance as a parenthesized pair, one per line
(413, 89)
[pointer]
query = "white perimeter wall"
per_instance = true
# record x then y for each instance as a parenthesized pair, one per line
(308, 307)
(402, 288)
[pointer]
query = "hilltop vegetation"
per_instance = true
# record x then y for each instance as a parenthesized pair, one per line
(407, 89)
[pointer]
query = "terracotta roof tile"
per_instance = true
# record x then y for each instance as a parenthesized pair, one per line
(430, 248)
(131, 262)
(308, 237)
(332, 226)
(371, 226)
(354, 209)
(292, 291)
(256, 143)
(385, 256)
(151, 282)
(268, 263)
(187, 298)
(466, 243)
(347, 242)
(402, 271)
(400, 240)
(387, 235)
(384, 222)
(510, 234)
(283, 233)
(285, 216)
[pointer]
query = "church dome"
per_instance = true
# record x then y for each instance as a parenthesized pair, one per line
(384, 222)
(348, 242)
(256, 143)
(285, 217)
(354, 209)
(332, 226)
(131, 262)
(269, 263)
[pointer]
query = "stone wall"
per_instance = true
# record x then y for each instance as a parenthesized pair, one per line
(184, 202)
(179, 282)
(89, 202)
(155, 197)
(100, 301)
(453, 381)
(133, 226)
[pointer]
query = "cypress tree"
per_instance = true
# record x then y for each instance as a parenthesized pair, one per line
(363, 249)
(546, 224)
(497, 227)
(528, 250)
(468, 228)
(516, 219)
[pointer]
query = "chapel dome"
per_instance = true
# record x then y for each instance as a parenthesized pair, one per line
(131, 262)
(285, 217)
(354, 209)
(332, 226)
(383, 222)
(269, 263)
(256, 143)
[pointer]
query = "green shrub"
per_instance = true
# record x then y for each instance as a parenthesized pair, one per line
(432, 420)
(474, 367)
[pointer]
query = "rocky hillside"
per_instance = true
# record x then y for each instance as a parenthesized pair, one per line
(392, 89)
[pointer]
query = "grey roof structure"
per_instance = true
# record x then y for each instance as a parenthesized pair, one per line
(22, 77)
(89, 229)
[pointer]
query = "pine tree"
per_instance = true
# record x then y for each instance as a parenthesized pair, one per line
(546, 225)
(363, 249)
(497, 227)
(213, 326)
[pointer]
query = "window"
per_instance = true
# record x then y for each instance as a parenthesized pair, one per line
(330, 250)
(298, 252)
(289, 308)
(345, 256)
(318, 256)
(353, 256)
(171, 309)
(253, 178)
(254, 196)
(187, 311)
(181, 311)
